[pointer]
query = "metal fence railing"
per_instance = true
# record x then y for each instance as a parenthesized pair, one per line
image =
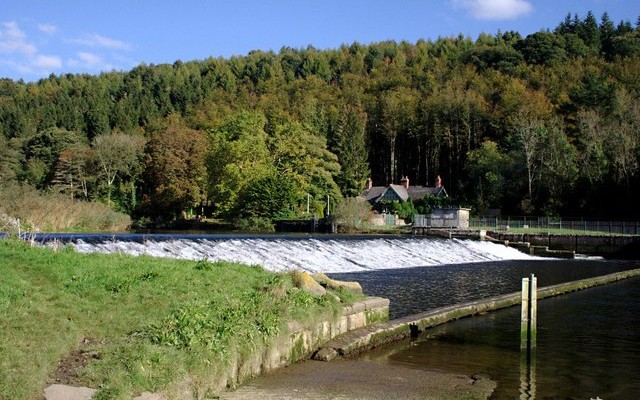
(575, 224)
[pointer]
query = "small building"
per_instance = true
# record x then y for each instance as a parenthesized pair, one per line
(457, 218)
(450, 218)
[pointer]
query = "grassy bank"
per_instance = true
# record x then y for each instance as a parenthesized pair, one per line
(131, 324)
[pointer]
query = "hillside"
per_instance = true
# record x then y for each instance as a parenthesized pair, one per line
(543, 124)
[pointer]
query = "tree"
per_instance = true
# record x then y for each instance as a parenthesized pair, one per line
(624, 143)
(117, 155)
(502, 58)
(484, 168)
(272, 196)
(43, 150)
(589, 33)
(627, 45)
(304, 157)
(558, 167)
(73, 171)
(351, 149)
(10, 159)
(528, 131)
(398, 118)
(352, 213)
(237, 155)
(175, 172)
(542, 48)
(607, 32)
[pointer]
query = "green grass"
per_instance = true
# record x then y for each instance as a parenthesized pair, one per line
(152, 323)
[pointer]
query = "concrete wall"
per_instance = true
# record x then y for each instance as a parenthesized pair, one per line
(604, 245)
(301, 342)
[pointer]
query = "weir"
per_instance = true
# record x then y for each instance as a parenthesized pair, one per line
(321, 253)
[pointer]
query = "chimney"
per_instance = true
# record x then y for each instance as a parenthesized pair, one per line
(369, 183)
(438, 182)
(405, 182)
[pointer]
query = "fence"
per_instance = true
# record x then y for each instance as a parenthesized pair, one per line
(553, 223)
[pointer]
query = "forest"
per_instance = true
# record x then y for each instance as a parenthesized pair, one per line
(547, 124)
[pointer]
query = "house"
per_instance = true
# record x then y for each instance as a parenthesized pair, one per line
(402, 192)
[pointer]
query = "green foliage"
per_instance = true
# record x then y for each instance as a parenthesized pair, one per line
(238, 154)
(404, 210)
(542, 48)
(352, 213)
(429, 202)
(175, 173)
(350, 147)
(501, 58)
(329, 119)
(271, 197)
(486, 181)
(118, 156)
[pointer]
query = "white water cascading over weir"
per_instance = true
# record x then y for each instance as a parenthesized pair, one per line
(329, 254)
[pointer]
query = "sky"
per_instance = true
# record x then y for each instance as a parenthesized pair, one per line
(41, 37)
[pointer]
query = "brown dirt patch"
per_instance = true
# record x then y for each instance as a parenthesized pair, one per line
(69, 367)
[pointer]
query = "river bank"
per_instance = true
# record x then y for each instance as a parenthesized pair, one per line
(127, 325)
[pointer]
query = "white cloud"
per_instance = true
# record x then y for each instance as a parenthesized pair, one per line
(89, 53)
(95, 40)
(495, 9)
(47, 62)
(49, 29)
(90, 61)
(14, 41)
(23, 56)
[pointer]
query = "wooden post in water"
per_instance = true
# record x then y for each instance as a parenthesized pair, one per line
(533, 313)
(524, 315)
(528, 338)
(528, 315)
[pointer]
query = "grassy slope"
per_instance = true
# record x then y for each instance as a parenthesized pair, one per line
(154, 322)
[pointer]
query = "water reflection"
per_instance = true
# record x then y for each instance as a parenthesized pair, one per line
(528, 374)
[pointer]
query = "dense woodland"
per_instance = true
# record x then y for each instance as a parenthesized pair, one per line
(547, 124)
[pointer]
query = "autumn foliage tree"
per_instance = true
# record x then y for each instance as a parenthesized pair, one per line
(175, 175)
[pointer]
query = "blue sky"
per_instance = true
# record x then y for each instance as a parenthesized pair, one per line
(40, 37)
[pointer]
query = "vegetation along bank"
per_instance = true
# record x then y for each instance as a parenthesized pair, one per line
(545, 124)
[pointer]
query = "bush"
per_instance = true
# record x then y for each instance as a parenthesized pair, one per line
(352, 213)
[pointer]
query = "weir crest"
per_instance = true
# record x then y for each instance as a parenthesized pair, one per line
(330, 254)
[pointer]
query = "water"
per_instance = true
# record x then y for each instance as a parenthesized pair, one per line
(413, 290)
(587, 347)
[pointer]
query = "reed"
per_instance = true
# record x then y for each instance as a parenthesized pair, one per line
(53, 212)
